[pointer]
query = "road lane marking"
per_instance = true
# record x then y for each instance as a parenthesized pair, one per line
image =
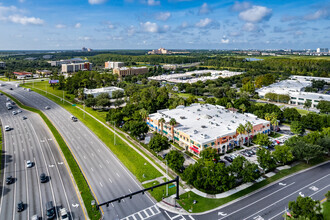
(14, 195)
(42, 210)
(100, 166)
(222, 213)
(92, 169)
(107, 161)
(110, 180)
(117, 174)
(101, 184)
(314, 188)
(27, 189)
(288, 196)
(129, 190)
(302, 195)
(259, 200)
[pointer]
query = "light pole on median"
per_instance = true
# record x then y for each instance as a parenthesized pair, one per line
(114, 132)
(166, 178)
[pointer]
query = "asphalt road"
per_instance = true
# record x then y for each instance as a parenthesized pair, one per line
(271, 202)
(106, 175)
(31, 140)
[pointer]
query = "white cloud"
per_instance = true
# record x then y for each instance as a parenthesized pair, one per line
(96, 2)
(224, 40)
(250, 27)
(152, 2)
(19, 19)
(203, 23)
(60, 26)
(85, 38)
(78, 25)
(235, 34)
(204, 9)
(153, 27)
(131, 30)
(256, 14)
(21, 1)
(163, 16)
(322, 13)
(241, 6)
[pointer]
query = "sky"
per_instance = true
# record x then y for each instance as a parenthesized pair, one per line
(172, 24)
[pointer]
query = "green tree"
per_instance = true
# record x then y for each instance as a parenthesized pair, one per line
(175, 160)
(210, 154)
(305, 208)
(158, 143)
(240, 130)
(262, 140)
(136, 128)
(162, 121)
(172, 123)
(266, 159)
(250, 172)
(291, 114)
(237, 166)
(242, 107)
(229, 105)
(248, 87)
(324, 142)
(144, 114)
(308, 104)
(297, 127)
(324, 106)
(327, 195)
(248, 128)
(282, 154)
(304, 151)
(90, 102)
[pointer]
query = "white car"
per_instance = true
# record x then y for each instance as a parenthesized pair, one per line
(47, 107)
(35, 217)
(19, 111)
(29, 164)
(7, 128)
(64, 214)
(14, 113)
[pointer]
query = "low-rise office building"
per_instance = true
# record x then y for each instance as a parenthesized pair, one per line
(60, 62)
(44, 72)
(200, 126)
(113, 65)
(2, 64)
(128, 71)
(75, 67)
(22, 75)
(310, 78)
(299, 98)
(98, 91)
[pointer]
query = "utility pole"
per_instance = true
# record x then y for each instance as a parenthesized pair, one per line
(166, 178)
(114, 132)
(63, 96)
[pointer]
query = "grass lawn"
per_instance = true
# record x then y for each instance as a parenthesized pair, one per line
(275, 135)
(142, 169)
(77, 174)
(159, 192)
(326, 210)
(302, 111)
(204, 204)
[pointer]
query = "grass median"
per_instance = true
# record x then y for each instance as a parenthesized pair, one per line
(159, 192)
(84, 189)
(205, 204)
(138, 165)
(326, 210)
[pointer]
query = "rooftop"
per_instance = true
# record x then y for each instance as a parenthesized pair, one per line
(284, 87)
(204, 122)
(102, 90)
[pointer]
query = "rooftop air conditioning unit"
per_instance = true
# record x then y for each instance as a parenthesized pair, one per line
(195, 131)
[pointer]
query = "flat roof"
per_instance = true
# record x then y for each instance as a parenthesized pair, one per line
(103, 89)
(284, 87)
(204, 122)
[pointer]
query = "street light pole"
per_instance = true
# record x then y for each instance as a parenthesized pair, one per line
(166, 178)
(114, 132)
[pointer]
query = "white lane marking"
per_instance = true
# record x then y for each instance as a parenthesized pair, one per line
(222, 213)
(145, 213)
(92, 169)
(98, 150)
(301, 194)
(259, 200)
(14, 195)
(117, 174)
(42, 210)
(320, 190)
(100, 166)
(314, 188)
(129, 190)
(27, 189)
(4, 172)
(75, 205)
(59, 163)
(84, 157)
(110, 180)
(112, 205)
(101, 184)
(282, 184)
(288, 196)
(107, 161)
(258, 217)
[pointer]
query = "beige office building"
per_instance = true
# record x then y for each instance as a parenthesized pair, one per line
(125, 71)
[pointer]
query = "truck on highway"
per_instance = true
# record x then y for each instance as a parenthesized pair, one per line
(9, 106)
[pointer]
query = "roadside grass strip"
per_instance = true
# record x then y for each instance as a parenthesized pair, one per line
(160, 192)
(326, 210)
(81, 182)
(135, 163)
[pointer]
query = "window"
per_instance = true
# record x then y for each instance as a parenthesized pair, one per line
(293, 98)
(192, 142)
(316, 100)
(212, 143)
(301, 99)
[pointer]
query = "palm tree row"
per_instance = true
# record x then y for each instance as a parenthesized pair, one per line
(243, 129)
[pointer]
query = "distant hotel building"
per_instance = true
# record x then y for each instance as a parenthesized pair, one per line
(322, 50)
(160, 51)
(113, 65)
(2, 64)
(201, 126)
(128, 71)
(75, 67)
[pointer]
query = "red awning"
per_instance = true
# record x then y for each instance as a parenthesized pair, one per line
(195, 149)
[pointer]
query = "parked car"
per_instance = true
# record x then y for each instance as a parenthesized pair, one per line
(10, 88)
(229, 159)
(20, 206)
(9, 180)
(47, 107)
(29, 164)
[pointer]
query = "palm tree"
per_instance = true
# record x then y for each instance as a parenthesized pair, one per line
(273, 120)
(242, 107)
(240, 130)
(161, 121)
(229, 105)
(248, 128)
(268, 116)
(172, 123)
(144, 114)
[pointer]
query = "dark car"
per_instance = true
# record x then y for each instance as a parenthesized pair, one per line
(229, 159)
(50, 210)
(43, 178)
(9, 180)
(10, 88)
(20, 206)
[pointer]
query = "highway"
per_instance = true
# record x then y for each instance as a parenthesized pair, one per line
(31, 140)
(270, 202)
(106, 175)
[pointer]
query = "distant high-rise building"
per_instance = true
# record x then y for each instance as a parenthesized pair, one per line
(89, 49)
(84, 49)
(322, 50)
(160, 51)
(113, 65)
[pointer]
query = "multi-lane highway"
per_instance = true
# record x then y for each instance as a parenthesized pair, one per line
(270, 202)
(107, 177)
(30, 139)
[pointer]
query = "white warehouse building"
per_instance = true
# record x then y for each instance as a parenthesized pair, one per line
(98, 91)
